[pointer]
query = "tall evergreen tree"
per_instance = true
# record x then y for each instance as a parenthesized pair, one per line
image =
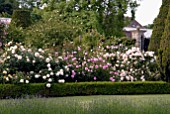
(164, 51)
(159, 25)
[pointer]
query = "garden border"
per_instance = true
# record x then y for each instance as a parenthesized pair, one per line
(83, 88)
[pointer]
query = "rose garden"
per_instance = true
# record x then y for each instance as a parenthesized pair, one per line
(72, 57)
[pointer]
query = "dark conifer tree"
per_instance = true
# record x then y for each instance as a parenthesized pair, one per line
(164, 51)
(159, 25)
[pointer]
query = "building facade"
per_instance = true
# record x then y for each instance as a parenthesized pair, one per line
(141, 34)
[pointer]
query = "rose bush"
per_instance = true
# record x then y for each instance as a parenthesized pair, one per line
(23, 65)
(103, 63)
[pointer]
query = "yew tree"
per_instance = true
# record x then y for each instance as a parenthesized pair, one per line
(164, 51)
(159, 25)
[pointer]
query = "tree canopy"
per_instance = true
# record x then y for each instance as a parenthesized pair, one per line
(69, 19)
(109, 15)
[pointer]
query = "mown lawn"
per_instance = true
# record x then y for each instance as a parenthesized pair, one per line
(116, 104)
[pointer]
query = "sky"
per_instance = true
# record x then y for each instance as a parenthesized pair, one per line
(147, 11)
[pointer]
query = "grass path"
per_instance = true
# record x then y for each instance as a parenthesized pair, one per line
(116, 104)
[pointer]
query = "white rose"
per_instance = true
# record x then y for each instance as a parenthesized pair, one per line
(47, 60)
(28, 60)
(4, 72)
(27, 81)
(48, 65)
(15, 47)
(37, 54)
(33, 61)
(13, 51)
(49, 69)
(50, 80)
(37, 76)
(44, 77)
(48, 85)
(19, 57)
(61, 81)
(48, 75)
(57, 74)
(21, 81)
(40, 50)
(60, 57)
(29, 50)
(51, 73)
(31, 72)
(7, 79)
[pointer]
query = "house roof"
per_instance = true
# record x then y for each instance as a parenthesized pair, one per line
(148, 33)
(133, 25)
(132, 29)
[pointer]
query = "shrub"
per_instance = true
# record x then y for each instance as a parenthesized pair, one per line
(85, 88)
(22, 18)
(49, 33)
(113, 62)
(2, 34)
(23, 65)
(14, 33)
(89, 40)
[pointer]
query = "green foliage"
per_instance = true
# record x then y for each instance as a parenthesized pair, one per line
(108, 19)
(92, 39)
(22, 18)
(117, 41)
(7, 6)
(86, 20)
(14, 33)
(85, 88)
(159, 25)
(150, 26)
(5, 14)
(2, 33)
(50, 32)
(23, 65)
(89, 40)
(164, 51)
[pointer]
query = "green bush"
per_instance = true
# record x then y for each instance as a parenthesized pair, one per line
(22, 18)
(20, 64)
(89, 40)
(49, 33)
(85, 88)
(14, 33)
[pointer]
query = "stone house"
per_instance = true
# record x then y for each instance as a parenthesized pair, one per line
(141, 34)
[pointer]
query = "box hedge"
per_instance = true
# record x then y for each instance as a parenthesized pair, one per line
(83, 88)
(22, 18)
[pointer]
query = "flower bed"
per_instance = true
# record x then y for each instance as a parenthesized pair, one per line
(104, 63)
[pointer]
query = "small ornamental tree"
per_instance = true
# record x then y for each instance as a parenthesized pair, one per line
(159, 25)
(164, 51)
(21, 18)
